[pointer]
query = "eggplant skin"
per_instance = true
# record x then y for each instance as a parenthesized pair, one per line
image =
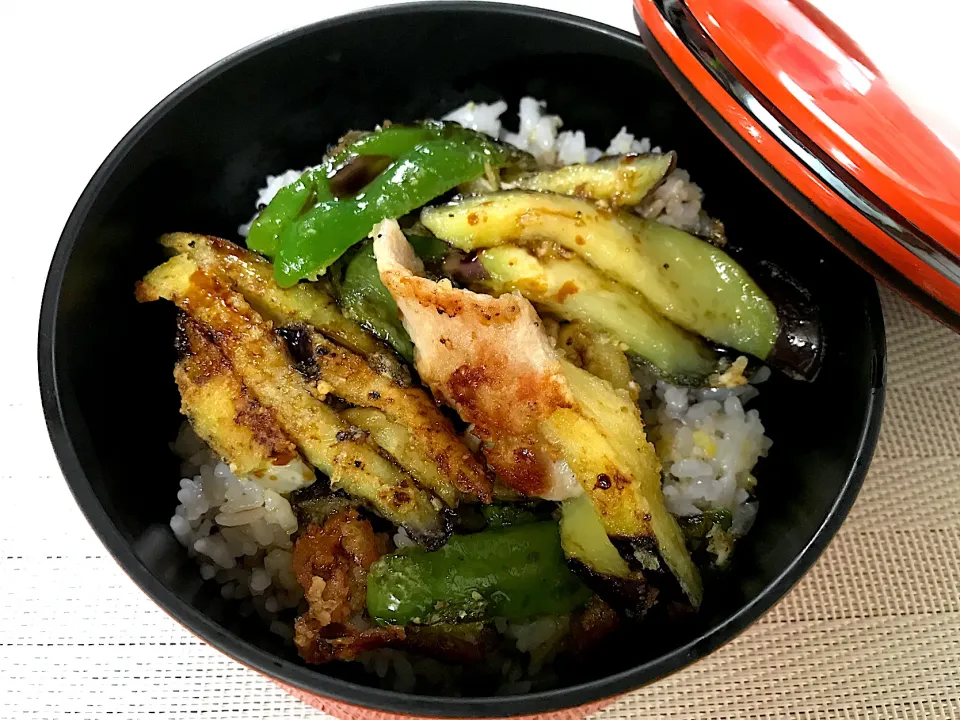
(220, 408)
(432, 537)
(619, 180)
(799, 348)
(262, 362)
(599, 562)
(633, 596)
(317, 503)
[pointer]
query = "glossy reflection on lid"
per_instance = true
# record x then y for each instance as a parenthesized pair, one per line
(813, 88)
(826, 86)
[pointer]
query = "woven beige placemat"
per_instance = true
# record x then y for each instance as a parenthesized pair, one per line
(873, 630)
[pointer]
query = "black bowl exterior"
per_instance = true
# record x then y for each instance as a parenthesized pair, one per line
(194, 163)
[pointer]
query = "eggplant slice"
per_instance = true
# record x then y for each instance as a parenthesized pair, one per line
(692, 283)
(309, 303)
(262, 362)
(622, 180)
(222, 411)
(332, 369)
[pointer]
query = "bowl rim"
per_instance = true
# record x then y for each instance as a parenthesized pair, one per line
(307, 678)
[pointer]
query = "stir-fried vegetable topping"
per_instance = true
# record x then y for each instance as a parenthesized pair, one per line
(692, 283)
(365, 300)
(533, 305)
(571, 289)
(314, 186)
(488, 357)
(617, 180)
(265, 367)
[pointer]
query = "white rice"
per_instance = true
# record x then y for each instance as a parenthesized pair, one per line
(239, 531)
(623, 143)
(708, 445)
(402, 540)
(676, 202)
(480, 117)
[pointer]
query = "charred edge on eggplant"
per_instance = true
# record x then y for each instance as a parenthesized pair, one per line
(434, 539)
(386, 365)
(297, 339)
(631, 596)
(643, 555)
(316, 503)
(800, 346)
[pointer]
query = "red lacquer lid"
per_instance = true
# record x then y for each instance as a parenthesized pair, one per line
(805, 108)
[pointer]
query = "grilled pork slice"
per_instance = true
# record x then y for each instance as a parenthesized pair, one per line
(489, 359)
(263, 364)
(548, 428)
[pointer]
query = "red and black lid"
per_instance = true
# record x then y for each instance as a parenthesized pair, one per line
(800, 103)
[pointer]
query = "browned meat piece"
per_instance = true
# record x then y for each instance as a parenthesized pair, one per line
(591, 625)
(466, 643)
(331, 564)
(352, 643)
(489, 359)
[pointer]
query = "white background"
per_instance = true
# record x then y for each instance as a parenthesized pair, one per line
(77, 638)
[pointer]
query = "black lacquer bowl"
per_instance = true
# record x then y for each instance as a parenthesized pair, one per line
(195, 162)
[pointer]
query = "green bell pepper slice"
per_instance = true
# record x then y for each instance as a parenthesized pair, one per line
(515, 572)
(311, 244)
(313, 186)
(365, 300)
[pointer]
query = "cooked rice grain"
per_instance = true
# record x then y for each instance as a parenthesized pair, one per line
(239, 532)
(708, 444)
